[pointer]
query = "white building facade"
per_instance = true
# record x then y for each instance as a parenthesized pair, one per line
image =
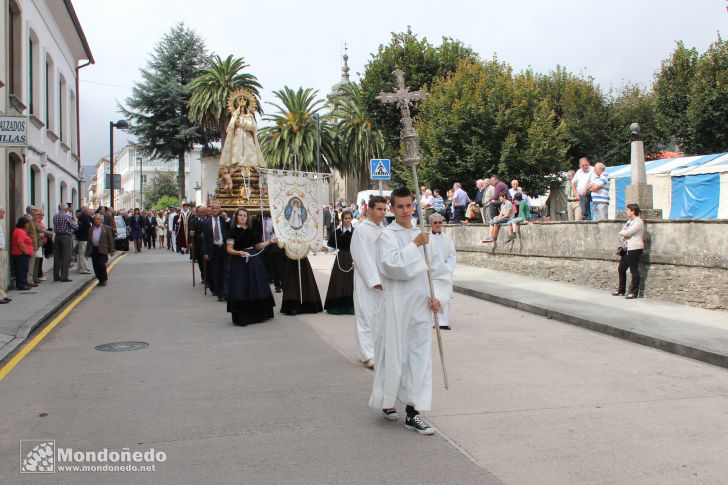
(137, 172)
(43, 48)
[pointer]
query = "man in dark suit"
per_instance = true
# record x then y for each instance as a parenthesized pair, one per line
(196, 228)
(214, 233)
(150, 230)
(100, 246)
(327, 219)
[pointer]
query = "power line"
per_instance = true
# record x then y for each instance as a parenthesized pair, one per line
(105, 84)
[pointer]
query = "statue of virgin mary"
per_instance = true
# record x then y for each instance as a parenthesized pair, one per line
(241, 142)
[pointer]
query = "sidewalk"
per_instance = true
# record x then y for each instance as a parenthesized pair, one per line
(30, 309)
(687, 331)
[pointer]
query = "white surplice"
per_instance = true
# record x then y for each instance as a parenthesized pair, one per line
(445, 248)
(368, 302)
(403, 353)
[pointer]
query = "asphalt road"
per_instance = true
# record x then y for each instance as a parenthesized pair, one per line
(268, 403)
(531, 400)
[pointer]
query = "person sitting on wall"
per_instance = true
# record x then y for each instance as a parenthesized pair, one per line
(504, 217)
(524, 214)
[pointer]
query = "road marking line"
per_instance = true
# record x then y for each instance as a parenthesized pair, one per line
(5, 370)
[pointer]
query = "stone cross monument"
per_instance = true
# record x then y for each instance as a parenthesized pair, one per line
(411, 143)
(639, 191)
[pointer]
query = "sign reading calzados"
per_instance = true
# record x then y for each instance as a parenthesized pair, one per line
(13, 131)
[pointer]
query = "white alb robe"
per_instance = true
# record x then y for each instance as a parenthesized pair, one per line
(403, 353)
(368, 301)
(446, 250)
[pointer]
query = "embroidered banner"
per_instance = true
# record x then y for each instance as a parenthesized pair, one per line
(295, 200)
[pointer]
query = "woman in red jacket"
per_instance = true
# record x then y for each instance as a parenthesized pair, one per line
(21, 248)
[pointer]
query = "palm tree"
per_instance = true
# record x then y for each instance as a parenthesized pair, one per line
(210, 91)
(357, 138)
(293, 129)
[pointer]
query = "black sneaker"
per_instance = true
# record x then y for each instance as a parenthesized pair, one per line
(391, 414)
(416, 423)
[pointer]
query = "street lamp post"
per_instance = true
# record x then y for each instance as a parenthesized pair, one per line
(141, 182)
(294, 156)
(122, 125)
(318, 142)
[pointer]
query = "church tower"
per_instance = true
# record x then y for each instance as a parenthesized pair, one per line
(341, 187)
(337, 89)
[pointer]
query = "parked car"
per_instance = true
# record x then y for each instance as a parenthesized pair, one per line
(121, 238)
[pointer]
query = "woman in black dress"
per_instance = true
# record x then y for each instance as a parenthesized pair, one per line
(340, 295)
(249, 298)
(300, 295)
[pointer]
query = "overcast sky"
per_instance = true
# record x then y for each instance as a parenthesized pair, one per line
(300, 42)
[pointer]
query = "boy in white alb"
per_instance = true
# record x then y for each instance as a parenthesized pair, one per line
(403, 355)
(367, 283)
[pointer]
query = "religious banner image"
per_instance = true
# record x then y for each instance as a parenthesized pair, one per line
(296, 210)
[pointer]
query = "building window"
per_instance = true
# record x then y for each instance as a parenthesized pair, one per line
(32, 186)
(61, 107)
(31, 93)
(50, 94)
(34, 70)
(47, 94)
(74, 124)
(15, 54)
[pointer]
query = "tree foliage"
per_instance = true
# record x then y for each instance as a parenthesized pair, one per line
(631, 104)
(672, 86)
(157, 107)
(357, 138)
(482, 119)
(707, 113)
(579, 102)
(166, 201)
(293, 129)
(691, 93)
(211, 89)
(422, 63)
(161, 185)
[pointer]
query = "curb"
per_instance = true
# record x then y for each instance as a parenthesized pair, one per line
(49, 310)
(683, 350)
(42, 316)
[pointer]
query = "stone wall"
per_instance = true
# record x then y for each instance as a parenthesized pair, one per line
(685, 261)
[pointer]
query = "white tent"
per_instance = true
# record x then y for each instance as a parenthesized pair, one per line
(660, 175)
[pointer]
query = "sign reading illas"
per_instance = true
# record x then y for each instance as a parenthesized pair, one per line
(13, 131)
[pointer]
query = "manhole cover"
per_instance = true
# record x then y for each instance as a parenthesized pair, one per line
(121, 346)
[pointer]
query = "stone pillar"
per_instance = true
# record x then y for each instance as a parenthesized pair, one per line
(639, 191)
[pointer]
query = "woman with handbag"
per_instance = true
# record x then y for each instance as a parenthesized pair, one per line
(631, 247)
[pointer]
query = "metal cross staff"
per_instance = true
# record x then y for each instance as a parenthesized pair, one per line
(404, 98)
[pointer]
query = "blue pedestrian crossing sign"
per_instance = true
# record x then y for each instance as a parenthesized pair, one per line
(380, 169)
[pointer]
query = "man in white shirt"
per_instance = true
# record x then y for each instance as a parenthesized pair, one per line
(445, 248)
(403, 355)
(460, 201)
(580, 183)
(171, 235)
(367, 282)
(599, 189)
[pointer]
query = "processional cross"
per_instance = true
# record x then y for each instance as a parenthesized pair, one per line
(404, 98)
